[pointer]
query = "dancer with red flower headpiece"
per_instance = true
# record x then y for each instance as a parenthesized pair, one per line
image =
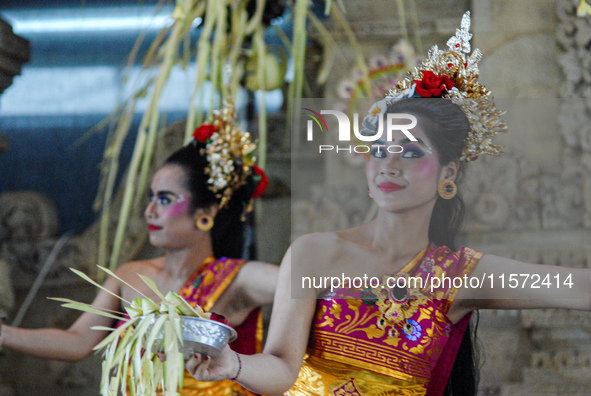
(405, 331)
(198, 202)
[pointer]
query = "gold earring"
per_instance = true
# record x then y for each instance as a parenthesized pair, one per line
(447, 189)
(204, 222)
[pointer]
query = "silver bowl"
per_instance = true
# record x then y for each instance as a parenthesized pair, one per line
(205, 336)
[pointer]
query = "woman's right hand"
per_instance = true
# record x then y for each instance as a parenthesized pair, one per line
(205, 368)
(276, 369)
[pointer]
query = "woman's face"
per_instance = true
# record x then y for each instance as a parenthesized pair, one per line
(403, 174)
(170, 221)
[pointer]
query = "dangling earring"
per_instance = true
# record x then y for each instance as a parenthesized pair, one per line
(369, 193)
(204, 222)
(447, 189)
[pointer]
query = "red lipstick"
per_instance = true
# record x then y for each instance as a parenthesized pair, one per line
(389, 187)
(152, 227)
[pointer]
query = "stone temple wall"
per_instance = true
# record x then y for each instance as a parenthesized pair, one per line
(536, 205)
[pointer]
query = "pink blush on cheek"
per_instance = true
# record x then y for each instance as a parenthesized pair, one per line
(429, 168)
(178, 208)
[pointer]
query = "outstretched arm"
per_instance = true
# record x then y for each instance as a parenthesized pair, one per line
(72, 344)
(511, 284)
(276, 369)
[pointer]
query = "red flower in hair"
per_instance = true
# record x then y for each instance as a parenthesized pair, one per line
(433, 85)
(204, 132)
(262, 182)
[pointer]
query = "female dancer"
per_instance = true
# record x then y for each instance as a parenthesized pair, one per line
(195, 214)
(399, 333)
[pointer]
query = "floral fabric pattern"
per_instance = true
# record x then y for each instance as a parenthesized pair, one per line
(367, 342)
(203, 288)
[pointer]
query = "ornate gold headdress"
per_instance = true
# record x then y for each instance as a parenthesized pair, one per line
(453, 75)
(230, 156)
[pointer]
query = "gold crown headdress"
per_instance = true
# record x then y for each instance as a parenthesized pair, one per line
(453, 74)
(230, 156)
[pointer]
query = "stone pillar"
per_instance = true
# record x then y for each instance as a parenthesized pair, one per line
(530, 204)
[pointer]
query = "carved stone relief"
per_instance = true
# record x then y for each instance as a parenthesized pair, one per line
(560, 357)
(29, 226)
(27, 221)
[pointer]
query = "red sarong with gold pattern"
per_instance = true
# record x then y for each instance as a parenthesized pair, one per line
(386, 340)
(203, 288)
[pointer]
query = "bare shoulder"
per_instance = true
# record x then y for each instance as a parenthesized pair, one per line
(316, 247)
(324, 240)
(130, 270)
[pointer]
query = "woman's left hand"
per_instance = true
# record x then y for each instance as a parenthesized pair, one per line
(206, 368)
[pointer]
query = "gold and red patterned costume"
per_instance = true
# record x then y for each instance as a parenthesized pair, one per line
(203, 288)
(388, 341)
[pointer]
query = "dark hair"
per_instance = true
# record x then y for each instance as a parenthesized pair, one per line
(228, 232)
(465, 373)
(447, 127)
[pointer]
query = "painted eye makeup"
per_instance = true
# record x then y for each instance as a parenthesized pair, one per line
(379, 151)
(409, 150)
(165, 197)
(412, 151)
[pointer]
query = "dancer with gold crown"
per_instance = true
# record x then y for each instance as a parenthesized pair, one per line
(399, 337)
(198, 200)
